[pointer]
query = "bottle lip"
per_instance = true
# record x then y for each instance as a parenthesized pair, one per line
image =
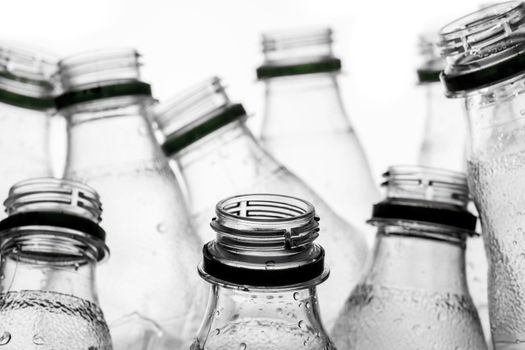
(264, 241)
(27, 76)
(41, 204)
(195, 113)
(425, 195)
(297, 52)
(483, 48)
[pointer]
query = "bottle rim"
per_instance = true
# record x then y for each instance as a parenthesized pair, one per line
(264, 241)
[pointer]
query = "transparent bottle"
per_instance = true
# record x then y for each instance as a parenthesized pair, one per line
(50, 244)
(415, 295)
(26, 103)
(263, 267)
(444, 143)
(445, 133)
(305, 126)
(206, 136)
(485, 53)
(150, 290)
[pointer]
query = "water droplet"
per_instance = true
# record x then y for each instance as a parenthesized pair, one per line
(217, 313)
(2, 277)
(417, 329)
(161, 227)
(296, 295)
(217, 331)
(5, 337)
(301, 324)
(242, 346)
(77, 266)
(307, 305)
(279, 310)
(441, 316)
(305, 343)
(38, 340)
(269, 264)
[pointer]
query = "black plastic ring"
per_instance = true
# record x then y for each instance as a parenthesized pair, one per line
(459, 219)
(36, 103)
(74, 97)
(262, 278)
(503, 70)
(65, 220)
(175, 143)
(327, 65)
(428, 75)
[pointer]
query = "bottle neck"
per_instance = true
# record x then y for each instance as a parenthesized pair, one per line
(49, 264)
(234, 157)
(309, 103)
(444, 121)
(111, 131)
(289, 316)
(412, 260)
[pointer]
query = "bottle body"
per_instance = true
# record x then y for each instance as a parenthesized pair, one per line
(306, 129)
(415, 296)
(154, 245)
(238, 165)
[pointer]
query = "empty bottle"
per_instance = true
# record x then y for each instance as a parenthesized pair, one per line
(51, 242)
(485, 53)
(217, 156)
(443, 146)
(445, 133)
(26, 103)
(263, 267)
(305, 126)
(415, 295)
(150, 290)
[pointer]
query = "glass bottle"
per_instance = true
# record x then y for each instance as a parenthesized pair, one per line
(263, 267)
(305, 126)
(150, 290)
(484, 52)
(25, 104)
(50, 244)
(415, 294)
(206, 136)
(445, 132)
(443, 146)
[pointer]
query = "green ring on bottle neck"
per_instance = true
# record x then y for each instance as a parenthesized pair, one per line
(100, 92)
(174, 143)
(326, 65)
(36, 103)
(428, 76)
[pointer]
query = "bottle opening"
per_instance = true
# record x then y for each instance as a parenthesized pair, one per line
(195, 113)
(48, 215)
(295, 52)
(264, 240)
(484, 47)
(99, 68)
(429, 196)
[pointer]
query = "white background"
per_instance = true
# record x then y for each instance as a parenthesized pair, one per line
(184, 42)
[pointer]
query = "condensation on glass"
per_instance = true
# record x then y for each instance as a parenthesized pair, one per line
(26, 105)
(150, 289)
(263, 267)
(206, 137)
(50, 244)
(415, 295)
(305, 125)
(485, 53)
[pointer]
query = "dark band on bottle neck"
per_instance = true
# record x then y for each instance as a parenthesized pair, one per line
(100, 92)
(458, 219)
(23, 101)
(268, 277)
(503, 70)
(176, 142)
(326, 65)
(428, 76)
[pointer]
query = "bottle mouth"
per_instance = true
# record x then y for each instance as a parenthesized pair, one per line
(483, 47)
(59, 208)
(298, 51)
(264, 240)
(99, 68)
(27, 76)
(425, 195)
(432, 63)
(195, 113)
